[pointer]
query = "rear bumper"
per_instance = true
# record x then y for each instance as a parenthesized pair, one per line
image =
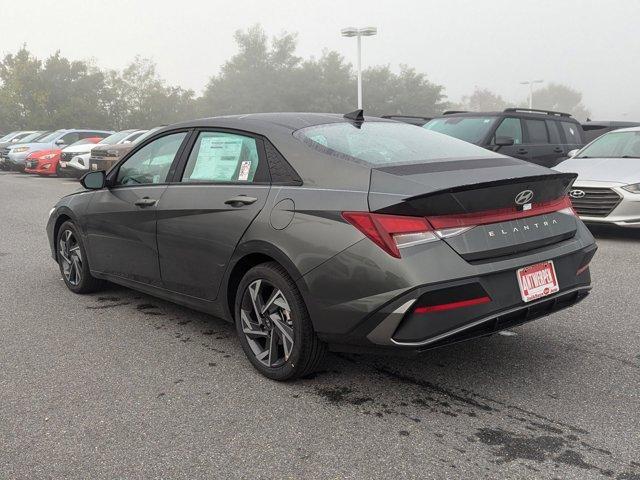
(384, 320)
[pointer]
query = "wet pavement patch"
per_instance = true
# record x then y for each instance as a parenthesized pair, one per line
(108, 299)
(145, 306)
(342, 395)
(107, 306)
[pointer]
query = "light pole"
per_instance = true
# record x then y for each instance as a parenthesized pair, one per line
(359, 33)
(530, 83)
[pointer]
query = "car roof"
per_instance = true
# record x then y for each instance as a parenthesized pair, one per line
(628, 129)
(606, 124)
(264, 123)
(510, 112)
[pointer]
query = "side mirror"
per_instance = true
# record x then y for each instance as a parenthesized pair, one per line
(573, 153)
(504, 141)
(59, 142)
(94, 180)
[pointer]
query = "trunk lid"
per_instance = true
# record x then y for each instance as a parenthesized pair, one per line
(462, 193)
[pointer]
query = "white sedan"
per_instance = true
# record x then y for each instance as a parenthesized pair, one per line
(607, 189)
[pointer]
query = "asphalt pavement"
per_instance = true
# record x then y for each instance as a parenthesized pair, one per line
(119, 384)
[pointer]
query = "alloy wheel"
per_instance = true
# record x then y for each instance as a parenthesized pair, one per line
(71, 258)
(266, 323)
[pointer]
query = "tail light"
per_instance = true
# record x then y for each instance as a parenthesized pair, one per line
(441, 222)
(392, 232)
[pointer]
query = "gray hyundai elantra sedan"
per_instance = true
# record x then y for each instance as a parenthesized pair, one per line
(316, 232)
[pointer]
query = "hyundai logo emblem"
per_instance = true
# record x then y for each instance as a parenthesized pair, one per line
(577, 193)
(523, 197)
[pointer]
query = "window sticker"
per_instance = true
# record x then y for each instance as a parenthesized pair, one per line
(245, 168)
(217, 158)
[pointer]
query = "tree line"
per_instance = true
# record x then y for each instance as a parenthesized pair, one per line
(265, 75)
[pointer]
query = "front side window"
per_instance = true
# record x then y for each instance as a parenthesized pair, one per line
(510, 128)
(222, 157)
(387, 143)
(571, 132)
(469, 129)
(613, 145)
(151, 163)
(70, 138)
(537, 131)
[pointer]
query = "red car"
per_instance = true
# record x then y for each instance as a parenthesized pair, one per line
(42, 162)
(46, 162)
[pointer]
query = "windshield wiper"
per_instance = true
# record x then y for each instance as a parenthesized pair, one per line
(629, 156)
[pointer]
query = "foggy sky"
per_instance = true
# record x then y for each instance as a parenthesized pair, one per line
(593, 46)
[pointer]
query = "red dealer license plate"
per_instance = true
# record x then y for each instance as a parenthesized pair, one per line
(537, 281)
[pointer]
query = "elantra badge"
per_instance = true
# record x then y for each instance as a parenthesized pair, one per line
(577, 193)
(523, 197)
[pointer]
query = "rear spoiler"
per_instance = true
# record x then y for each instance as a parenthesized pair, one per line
(473, 197)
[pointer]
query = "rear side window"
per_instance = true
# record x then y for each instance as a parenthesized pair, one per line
(537, 131)
(510, 128)
(554, 133)
(571, 132)
(222, 157)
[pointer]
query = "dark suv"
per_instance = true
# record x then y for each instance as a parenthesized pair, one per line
(538, 136)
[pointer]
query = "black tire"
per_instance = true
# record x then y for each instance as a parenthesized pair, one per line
(307, 352)
(59, 172)
(84, 282)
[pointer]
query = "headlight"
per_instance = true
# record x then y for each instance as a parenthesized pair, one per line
(633, 188)
(49, 156)
(19, 149)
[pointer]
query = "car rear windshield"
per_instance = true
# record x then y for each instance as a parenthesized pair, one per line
(385, 143)
(613, 145)
(469, 129)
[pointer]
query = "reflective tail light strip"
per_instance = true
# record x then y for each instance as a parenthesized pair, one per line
(442, 222)
(452, 305)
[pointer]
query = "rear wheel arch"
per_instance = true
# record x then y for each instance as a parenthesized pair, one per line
(248, 256)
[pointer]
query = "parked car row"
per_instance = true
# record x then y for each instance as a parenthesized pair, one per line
(66, 152)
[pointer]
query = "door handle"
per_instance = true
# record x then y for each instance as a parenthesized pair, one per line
(522, 150)
(240, 200)
(558, 150)
(145, 202)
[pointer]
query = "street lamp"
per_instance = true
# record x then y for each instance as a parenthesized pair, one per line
(530, 83)
(359, 32)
